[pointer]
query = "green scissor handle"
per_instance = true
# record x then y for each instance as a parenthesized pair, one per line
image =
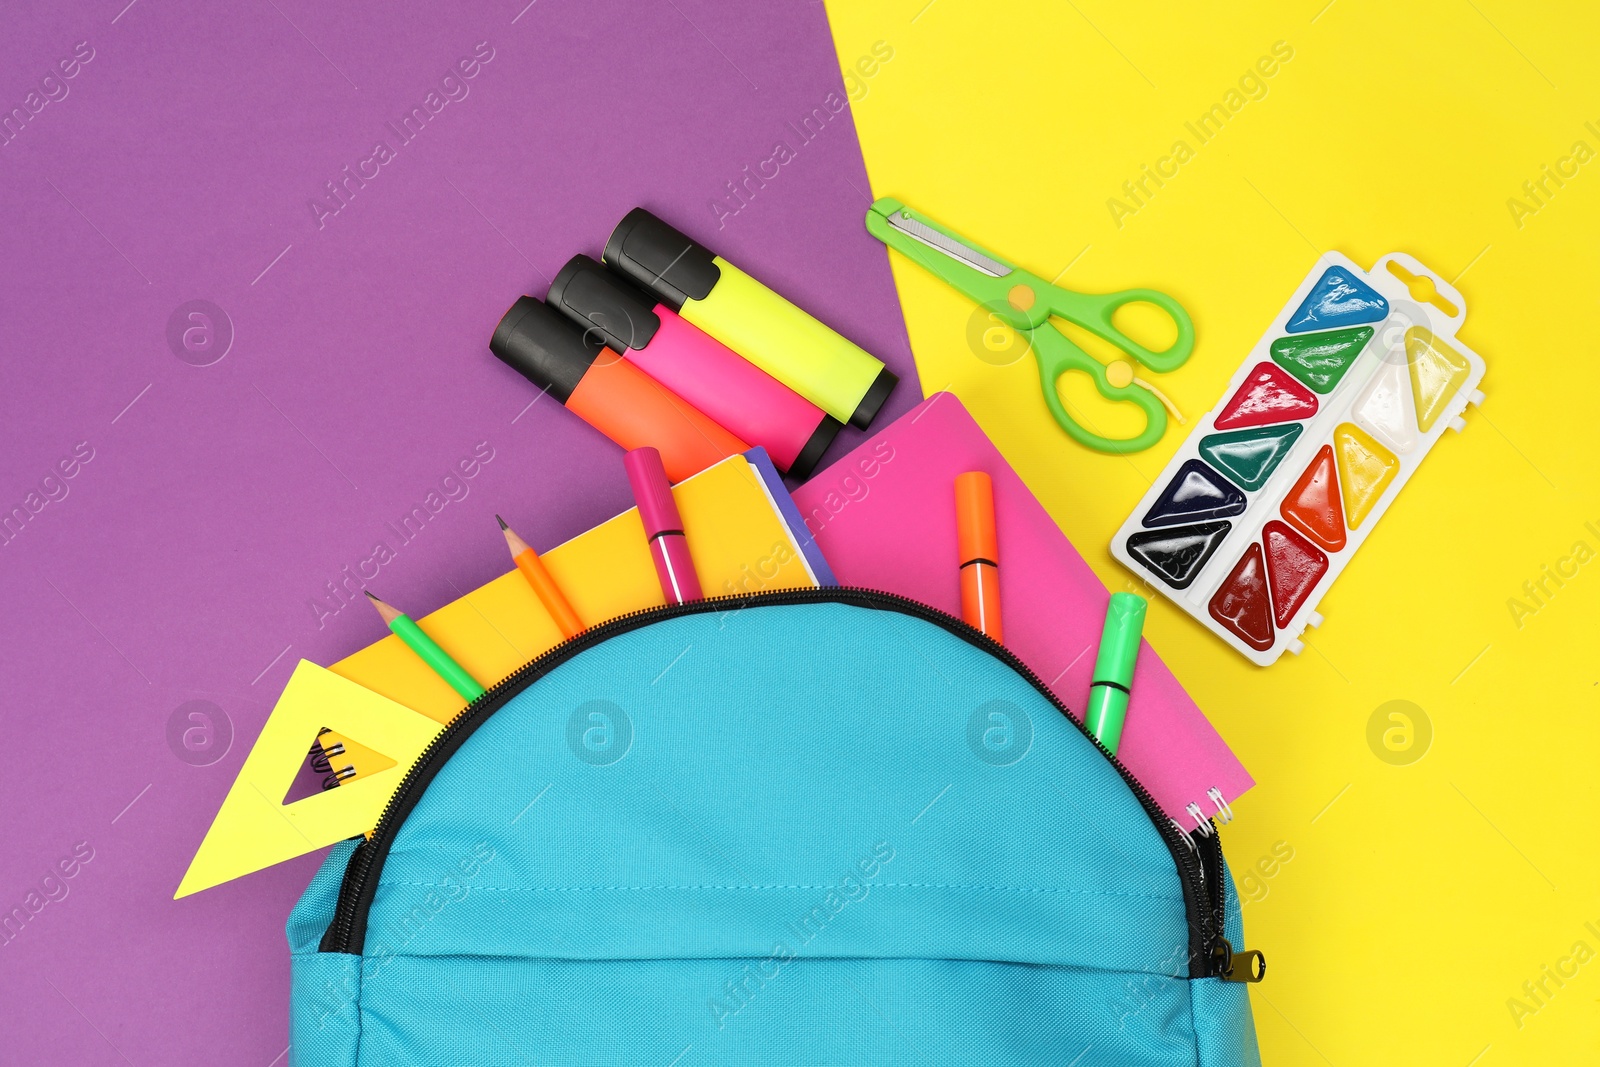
(1026, 302)
(1094, 313)
(1056, 354)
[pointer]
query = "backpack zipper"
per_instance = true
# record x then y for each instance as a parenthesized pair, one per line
(1199, 863)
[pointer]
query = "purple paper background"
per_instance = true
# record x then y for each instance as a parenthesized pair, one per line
(182, 562)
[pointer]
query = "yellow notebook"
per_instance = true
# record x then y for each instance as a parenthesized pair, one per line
(740, 542)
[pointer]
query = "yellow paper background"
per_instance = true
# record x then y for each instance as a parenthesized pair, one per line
(1420, 897)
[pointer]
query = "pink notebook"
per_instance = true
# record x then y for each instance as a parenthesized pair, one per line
(884, 517)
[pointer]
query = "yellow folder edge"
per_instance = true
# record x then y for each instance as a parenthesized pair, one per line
(736, 537)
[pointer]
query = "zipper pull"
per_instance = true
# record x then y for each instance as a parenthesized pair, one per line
(1247, 965)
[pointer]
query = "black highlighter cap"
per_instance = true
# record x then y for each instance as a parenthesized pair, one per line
(876, 394)
(811, 454)
(604, 303)
(662, 260)
(545, 347)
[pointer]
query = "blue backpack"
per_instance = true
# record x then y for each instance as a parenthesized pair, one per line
(822, 826)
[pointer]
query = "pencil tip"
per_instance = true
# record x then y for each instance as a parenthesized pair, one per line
(371, 596)
(502, 522)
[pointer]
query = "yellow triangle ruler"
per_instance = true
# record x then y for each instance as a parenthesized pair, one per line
(255, 829)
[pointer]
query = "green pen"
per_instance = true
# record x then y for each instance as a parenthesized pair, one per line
(1113, 668)
(428, 650)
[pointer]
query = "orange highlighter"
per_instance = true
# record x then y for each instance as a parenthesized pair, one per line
(575, 367)
(980, 553)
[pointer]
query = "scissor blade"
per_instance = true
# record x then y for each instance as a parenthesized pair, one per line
(950, 246)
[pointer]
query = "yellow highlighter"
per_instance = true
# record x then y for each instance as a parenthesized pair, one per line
(834, 374)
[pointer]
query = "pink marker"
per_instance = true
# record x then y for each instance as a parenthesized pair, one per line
(663, 527)
(732, 391)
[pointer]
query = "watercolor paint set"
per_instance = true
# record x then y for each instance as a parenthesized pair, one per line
(1263, 506)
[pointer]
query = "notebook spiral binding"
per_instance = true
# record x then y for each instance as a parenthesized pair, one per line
(320, 757)
(335, 777)
(1224, 811)
(1202, 824)
(321, 760)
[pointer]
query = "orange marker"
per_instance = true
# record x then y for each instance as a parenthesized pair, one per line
(980, 553)
(544, 586)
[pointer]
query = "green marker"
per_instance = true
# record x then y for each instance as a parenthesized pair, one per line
(1113, 668)
(428, 650)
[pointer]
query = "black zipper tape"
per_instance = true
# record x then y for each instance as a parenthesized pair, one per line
(1210, 847)
(1199, 863)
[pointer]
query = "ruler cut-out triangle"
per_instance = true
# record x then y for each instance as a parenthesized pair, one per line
(310, 778)
(333, 759)
(254, 829)
(1339, 298)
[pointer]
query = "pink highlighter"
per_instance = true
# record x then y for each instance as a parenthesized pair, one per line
(663, 527)
(732, 391)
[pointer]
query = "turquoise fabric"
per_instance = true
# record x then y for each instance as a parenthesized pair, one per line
(324, 994)
(802, 834)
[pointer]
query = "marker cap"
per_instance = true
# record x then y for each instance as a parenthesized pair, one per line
(545, 347)
(975, 533)
(662, 260)
(652, 492)
(1119, 641)
(1105, 715)
(811, 453)
(872, 400)
(606, 303)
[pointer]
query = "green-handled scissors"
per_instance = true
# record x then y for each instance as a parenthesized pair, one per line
(1025, 302)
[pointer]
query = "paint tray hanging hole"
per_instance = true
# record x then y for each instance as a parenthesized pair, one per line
(1423, 289)
(1428, 300)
